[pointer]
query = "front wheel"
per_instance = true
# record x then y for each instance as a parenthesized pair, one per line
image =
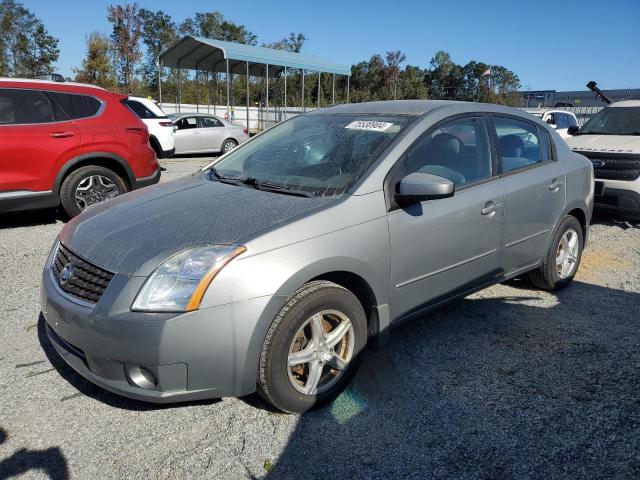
(313, 348)
(87, 186)
(563, 258)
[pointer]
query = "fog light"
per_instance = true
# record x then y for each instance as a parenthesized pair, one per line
(142, 377)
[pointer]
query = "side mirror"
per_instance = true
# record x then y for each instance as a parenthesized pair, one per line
(423, 186)
(573, 129)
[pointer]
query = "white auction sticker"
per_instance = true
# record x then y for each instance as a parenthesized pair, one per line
(369, 125)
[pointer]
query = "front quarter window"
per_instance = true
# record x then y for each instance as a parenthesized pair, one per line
(319, 154)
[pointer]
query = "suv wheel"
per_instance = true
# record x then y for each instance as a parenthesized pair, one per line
(313, 348)
(87, 186)
(563, 258)
(229, 144)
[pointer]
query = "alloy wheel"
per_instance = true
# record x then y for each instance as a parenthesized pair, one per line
(320, 352)
(95, 189)
(567, 254)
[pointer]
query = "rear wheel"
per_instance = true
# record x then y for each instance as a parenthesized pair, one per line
(87, 186)
(563, 258)
(313, 348)
(229, 144)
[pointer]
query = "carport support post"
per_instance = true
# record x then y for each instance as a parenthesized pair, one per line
(285, 93)
(348, 77)
(228, 90)
(333, 90)
(319, 94)
(247, 96)
(160, 80)
(197, 92)
(267, 101)
(179, 92)
(302, 104)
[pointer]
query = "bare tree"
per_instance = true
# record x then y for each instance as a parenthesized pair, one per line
(127, 31)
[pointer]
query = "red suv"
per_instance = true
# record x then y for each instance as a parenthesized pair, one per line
(69, 144)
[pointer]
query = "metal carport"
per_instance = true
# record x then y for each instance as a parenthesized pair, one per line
(218, 56)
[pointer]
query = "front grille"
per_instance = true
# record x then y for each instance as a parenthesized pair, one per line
(614, 166)
(85, 281)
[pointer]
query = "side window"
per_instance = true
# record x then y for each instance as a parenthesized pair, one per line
(140, 109)
(545, 144)
(187, 123)
(25, 107)
(518, 143)
(571, 121)
(457, 150)
(561, 120)
(76, 106)
(210, 122)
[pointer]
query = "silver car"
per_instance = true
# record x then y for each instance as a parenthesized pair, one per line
(274, 267)
(201, 133)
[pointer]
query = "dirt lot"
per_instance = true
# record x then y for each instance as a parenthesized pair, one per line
(508, 383)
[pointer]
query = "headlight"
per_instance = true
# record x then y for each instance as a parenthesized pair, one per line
(179, 284)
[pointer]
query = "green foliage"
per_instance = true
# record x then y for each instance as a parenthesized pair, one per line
(97, 67)
(127, 31)
(26, 48)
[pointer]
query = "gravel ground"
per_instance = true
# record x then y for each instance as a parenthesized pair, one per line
(507, 383)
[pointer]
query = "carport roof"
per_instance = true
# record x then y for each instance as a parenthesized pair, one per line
(197, 53)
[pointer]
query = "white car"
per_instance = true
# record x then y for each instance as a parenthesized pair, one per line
(203, 133)
(560, 120)
(161, 128)
(611, 140)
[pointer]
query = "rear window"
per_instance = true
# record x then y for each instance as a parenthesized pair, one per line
(18, 107)
(141, 110)
(75, 105)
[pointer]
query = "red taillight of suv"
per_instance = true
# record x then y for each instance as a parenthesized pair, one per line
(142, 131)
(166, 124)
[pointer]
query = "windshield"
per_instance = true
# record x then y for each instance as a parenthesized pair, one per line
(319, 154)
(614, 121)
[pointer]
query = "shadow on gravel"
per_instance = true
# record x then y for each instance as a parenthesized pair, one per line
(31, 218)
(510, 387)
(85, 387)
(50, 461)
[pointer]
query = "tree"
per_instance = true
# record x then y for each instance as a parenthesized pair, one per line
(392, 70)
(96, 67)
(292, 43)
(412, 86)
(127, 31)
(159, 31)
(26, 47)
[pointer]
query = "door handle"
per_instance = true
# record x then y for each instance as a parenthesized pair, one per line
(490, 207)
(62, 134)
(555, 185)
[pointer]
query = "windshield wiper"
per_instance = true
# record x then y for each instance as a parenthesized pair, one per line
(259, 185)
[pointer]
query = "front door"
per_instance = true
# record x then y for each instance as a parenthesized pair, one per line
(534, 186)
(187, 136)
(450, 245)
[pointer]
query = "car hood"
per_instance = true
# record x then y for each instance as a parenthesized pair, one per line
(605, 143)
(134, 233)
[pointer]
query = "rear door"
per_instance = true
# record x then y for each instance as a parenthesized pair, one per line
(534, 186)
(212, 133)
(450, 245)
(35, 135)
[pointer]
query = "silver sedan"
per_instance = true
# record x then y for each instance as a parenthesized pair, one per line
(200, 133)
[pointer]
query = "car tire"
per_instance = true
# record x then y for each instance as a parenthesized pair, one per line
(552, 275)
(287, 386)
(92, 182)
(229, 144)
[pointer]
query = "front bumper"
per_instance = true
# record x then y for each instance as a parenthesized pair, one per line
(208, 353)
(619, 197)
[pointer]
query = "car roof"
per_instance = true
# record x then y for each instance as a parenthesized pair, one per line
(50, 82)
(626, 103)
(392, 107)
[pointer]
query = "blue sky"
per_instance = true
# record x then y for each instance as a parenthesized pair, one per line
(550, 44)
